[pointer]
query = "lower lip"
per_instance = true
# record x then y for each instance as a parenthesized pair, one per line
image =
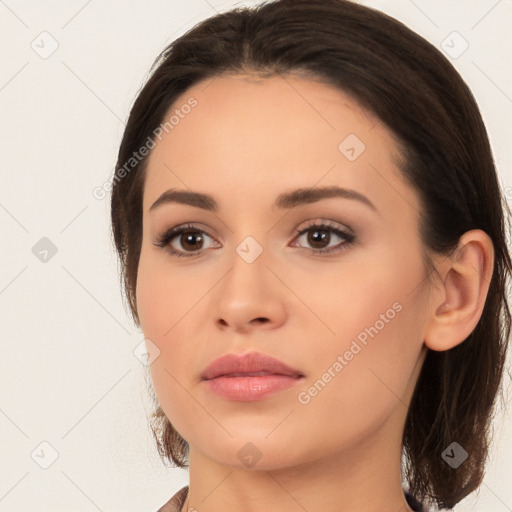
(250, 388)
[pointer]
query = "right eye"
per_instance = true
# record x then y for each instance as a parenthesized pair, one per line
(189, 237)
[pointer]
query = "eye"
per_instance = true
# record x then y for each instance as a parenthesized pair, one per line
(189, 237)
(319, 236)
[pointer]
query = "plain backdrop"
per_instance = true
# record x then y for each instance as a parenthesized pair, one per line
(72, 393)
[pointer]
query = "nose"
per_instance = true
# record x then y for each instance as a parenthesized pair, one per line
(250, 296)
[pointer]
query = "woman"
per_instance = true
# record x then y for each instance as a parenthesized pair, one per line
(312, 240)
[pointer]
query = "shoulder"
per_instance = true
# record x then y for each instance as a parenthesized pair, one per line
(176, 502)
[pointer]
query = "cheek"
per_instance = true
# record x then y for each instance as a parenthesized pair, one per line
(373, 371)
(363, 372)
(165, 302)
(162, 293)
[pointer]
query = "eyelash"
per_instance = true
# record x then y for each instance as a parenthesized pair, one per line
(164, 240)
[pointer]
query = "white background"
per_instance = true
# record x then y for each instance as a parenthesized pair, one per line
(68, 374)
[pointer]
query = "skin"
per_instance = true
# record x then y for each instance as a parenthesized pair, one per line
(247, 141)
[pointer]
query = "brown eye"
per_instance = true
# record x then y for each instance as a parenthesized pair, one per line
(184, 241)
(190, 240)
(319, 236)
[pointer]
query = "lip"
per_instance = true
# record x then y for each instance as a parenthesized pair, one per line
(250, 376)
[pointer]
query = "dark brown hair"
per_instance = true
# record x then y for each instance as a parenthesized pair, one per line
(417, 93)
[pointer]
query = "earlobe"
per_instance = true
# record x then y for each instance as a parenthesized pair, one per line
(467, 277)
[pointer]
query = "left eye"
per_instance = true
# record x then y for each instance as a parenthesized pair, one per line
(191, 238)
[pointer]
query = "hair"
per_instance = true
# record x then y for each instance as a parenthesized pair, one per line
(446, 156)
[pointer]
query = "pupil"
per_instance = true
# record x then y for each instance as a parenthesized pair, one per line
(322, 238)
(189, 237)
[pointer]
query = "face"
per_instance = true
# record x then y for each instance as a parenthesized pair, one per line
(333, 286)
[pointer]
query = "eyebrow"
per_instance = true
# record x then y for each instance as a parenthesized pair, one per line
(284, 201)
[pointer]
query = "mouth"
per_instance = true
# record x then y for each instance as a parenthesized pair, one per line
(248, 377)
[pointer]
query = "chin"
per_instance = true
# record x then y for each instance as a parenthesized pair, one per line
(254, 451)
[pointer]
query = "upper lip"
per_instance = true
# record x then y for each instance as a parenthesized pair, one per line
(250, 362)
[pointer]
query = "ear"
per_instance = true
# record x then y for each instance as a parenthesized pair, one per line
(460, 301)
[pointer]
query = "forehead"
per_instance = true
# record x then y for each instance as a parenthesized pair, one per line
(248, 135)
